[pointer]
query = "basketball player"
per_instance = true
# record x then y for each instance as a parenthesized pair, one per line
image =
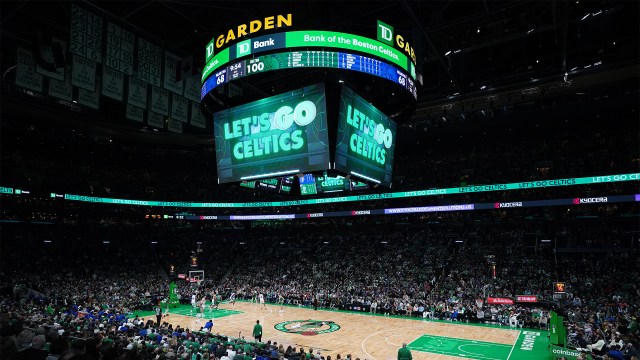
(281, 302)
(213, 301)
(203, 304)
(261, 298)
(194, 303)
(232, 299)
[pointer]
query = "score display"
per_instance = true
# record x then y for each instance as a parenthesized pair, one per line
(277, 185)
(281, 135)
(366, 140)
(309, 58)
(309, 39)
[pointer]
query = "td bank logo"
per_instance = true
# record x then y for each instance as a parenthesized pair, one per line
(243, 48)
(385, 33)
(307, 327)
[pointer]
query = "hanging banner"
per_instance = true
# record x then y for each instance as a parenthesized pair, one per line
(112, 83)
(197, 119)
(170, 82)
(61, 89)
(175, 126)
(26, 75)
(135, 113)
(160, 100)
(149, 66)
(179, 108)
(192, 89)
(89, 98)
(83, 73)
(155, 119)
(46, 53)
(137, 93)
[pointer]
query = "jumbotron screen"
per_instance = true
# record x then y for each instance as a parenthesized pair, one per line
(366, 140)
(278, 136)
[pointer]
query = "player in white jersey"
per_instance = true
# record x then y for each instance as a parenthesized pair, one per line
(281, 302)
(232, 299)
(203, 304)
(194, 303)
(261, 298)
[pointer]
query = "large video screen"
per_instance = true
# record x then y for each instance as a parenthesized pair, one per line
(278, 136)
(366, 140)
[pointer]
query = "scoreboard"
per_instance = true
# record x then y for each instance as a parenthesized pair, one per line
(309, 59)
(281, 135)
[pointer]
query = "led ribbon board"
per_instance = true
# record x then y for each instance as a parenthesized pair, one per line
(309, 38)
(308, 58)
(409, 210)
(366, 140)
(536, 184)
(281, 135)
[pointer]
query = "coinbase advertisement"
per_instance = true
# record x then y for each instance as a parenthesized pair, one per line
(366, 140)
(278, 136)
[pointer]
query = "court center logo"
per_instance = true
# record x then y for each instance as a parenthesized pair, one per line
(307, 327)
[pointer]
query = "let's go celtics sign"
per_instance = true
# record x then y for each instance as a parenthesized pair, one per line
(307, 327)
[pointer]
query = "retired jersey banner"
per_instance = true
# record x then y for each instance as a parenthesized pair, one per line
(61, 89)
(170, 82)
(137, 93)
(26, 75)
(135, 113)
(499, 301)
(83, 73)
(112, 83)
(179, 108)
(160, 101)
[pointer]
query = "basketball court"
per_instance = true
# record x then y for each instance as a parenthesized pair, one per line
(367, 336)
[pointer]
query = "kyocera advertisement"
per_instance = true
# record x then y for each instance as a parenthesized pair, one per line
(277, 136)
(366, 140)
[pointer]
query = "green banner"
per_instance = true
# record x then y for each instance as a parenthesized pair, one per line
(369, 197)
(308, 39)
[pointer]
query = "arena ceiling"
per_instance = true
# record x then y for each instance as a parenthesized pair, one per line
(472, 54)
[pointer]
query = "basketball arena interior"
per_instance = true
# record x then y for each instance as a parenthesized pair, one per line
(326, 180)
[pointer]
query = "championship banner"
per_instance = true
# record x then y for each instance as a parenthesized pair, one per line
(46, 53)
(112, 83)
(160, 101)
(170, 65)
(179, 108)
(137, 93)
(175, 126)
(526, 298)
(155, 119)
(504, 301)
(26, 75)
(61, 89)
(89, 98)
(83, 73)
(197, 119)
(192, 88)
(135, 113)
